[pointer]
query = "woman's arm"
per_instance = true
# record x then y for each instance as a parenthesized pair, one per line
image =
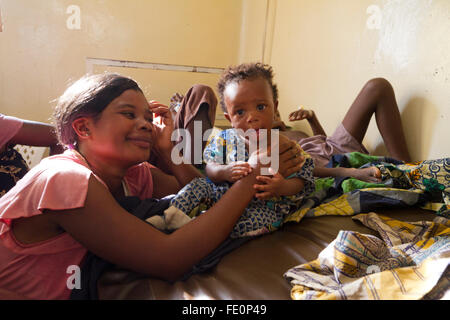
(107, 230)
(182, 173)
(217, 172)
(231, 172)
(167, 183)
(290, 156)
(37, 134)
(164, 184)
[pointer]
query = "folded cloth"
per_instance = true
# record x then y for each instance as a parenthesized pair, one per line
(410, 261)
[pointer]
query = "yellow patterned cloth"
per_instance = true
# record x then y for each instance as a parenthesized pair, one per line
(410, 261)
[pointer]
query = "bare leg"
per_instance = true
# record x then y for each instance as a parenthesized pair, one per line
(202, 116)
(370, 174)
(197, 106)
(377, 96)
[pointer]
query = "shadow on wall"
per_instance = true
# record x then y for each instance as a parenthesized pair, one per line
(418, 118)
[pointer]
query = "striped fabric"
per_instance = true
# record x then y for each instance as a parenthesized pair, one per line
(410, 260)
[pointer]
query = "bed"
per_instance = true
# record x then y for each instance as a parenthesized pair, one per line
(339, 245)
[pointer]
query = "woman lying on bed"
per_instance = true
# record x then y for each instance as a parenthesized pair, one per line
(67, 204)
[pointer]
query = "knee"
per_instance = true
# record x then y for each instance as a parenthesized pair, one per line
(206, 92)
(203, 89)
(378, 86)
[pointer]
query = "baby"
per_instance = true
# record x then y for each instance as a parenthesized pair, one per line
(249, 101)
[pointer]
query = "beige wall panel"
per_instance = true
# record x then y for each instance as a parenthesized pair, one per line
(40, 55)
(252, 30)
(160, 85)
(324, 51)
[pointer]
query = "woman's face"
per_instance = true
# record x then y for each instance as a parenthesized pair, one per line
(123, 133)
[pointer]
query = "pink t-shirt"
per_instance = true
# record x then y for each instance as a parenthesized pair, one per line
(60, 182)
(9, 126)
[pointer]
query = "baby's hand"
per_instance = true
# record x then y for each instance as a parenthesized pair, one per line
(238, 170)
(270, 185)
(301, 114)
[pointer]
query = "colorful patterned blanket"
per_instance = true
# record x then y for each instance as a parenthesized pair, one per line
(424, 183)
(410, 261)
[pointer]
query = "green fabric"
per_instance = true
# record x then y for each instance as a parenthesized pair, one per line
(324, 183)
(425, 184)
(357, 159)
(351, 184)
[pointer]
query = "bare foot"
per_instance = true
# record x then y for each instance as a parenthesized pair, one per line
(371, 174)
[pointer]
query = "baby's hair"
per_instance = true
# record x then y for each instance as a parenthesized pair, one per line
(242, 72)
(87, 97)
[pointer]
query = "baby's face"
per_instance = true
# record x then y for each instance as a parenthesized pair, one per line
(250, 104)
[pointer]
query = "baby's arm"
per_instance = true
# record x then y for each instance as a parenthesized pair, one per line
(232, 172)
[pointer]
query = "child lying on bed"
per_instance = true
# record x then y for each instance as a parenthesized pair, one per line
(249, 99)
(376, 97)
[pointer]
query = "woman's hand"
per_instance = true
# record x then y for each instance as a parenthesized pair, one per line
(163, 127)
(291, 158)
(301, 114)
